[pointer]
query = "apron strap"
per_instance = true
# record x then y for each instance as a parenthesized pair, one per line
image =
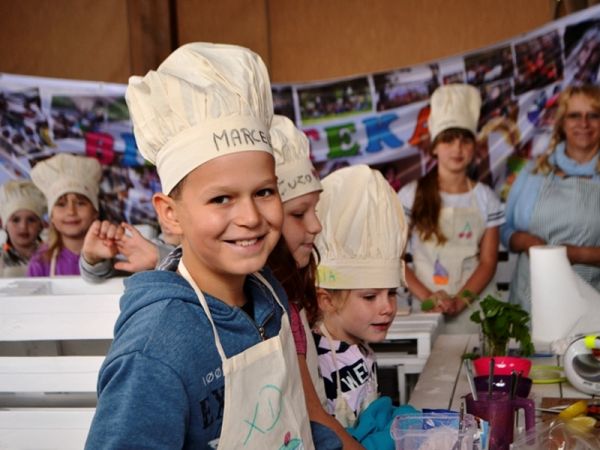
(53, 259)
(325, 332)
(186, 275)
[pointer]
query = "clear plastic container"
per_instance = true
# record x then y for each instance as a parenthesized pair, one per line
(431, 431)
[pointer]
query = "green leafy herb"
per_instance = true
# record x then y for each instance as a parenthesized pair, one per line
(500, 321)
(427, 305)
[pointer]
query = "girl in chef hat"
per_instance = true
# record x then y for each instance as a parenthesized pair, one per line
(361, 248)
(454, 220)
(293, 260)
(71, 185)
(22, 208)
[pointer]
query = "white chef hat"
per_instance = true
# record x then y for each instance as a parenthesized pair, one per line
(20, 194)
(364, 231)
(296, 175)
(454, 106)
(204, 101)
(65, 173)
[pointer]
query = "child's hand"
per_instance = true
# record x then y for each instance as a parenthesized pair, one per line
(458, 305)
(100, 241)
(141, 254)
(438, 301)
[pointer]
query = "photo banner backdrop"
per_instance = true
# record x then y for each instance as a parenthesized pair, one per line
(379, 119)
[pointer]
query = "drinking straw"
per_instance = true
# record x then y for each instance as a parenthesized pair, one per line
(491, 377)
(513, 384)
(470, 379)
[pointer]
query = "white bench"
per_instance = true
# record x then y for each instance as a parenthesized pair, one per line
(47, 402)
(407, 346)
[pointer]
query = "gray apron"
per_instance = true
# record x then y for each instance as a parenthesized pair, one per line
(567, 212)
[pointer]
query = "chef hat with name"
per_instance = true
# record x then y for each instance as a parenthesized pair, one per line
(454, 106)
(296, 175)
(66, 173)
(204, 101)
(364, 231)
(16, 195)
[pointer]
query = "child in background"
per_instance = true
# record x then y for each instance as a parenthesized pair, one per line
(293, 260)
(71, 185)
(454, 220)
(361, 247)
(204, 357)
(22, 208)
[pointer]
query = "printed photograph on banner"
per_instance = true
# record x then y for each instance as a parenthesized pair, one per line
(95, 126)
(496, 142)
(497, 100)
(489, 65)
(539, 62)
(126, 194)
(24, 128)
(400, 172)
(335, 100)
(404, 86)
(283, 101)
(452, 70)
(582, 52)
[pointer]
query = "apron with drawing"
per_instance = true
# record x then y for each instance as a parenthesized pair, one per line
(560, 201)
(264, 406)
(312, 361)
(343, 411)
(448, 267)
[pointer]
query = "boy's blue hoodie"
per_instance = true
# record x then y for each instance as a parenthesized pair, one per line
(161, 385)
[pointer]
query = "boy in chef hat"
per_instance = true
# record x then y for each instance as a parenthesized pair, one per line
(71, 184)
(203, 355)
(361, 267)
(22, 209)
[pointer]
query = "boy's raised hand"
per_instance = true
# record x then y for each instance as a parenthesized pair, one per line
(100, 241)
(140, 253)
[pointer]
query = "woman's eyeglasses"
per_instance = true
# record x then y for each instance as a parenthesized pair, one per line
(579, 116)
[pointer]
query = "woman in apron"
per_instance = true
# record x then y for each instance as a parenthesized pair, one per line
(361, 247)
(454, 220)
(22, 209)
(293, 260)
(556, 199)
(71, 184)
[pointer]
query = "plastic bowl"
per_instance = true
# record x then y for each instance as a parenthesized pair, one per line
(503, 365)
(502, 384)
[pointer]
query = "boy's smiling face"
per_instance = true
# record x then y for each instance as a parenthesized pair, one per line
(229, 214)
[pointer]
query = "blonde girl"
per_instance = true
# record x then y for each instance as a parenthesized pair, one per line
(71, 185)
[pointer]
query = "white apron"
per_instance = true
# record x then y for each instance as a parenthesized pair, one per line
(448, 267)
(312, 361)
(265, 406)
(343, 412)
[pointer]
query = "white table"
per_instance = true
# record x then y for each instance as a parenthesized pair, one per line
(443, 381)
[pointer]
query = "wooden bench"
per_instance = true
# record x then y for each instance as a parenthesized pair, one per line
(47, 400)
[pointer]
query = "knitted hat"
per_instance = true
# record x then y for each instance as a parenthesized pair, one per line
(454, 106)
(65, 173)
(364, 231)
(204, 101)
(20, 194)
(296, 175)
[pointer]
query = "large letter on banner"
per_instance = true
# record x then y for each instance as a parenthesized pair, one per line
(378, 131)
(340, 141)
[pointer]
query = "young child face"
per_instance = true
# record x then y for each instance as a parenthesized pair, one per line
(230, 215)
(72, 215)
(300, 226)
(23, 228)
(456, 155)
(364, 316)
